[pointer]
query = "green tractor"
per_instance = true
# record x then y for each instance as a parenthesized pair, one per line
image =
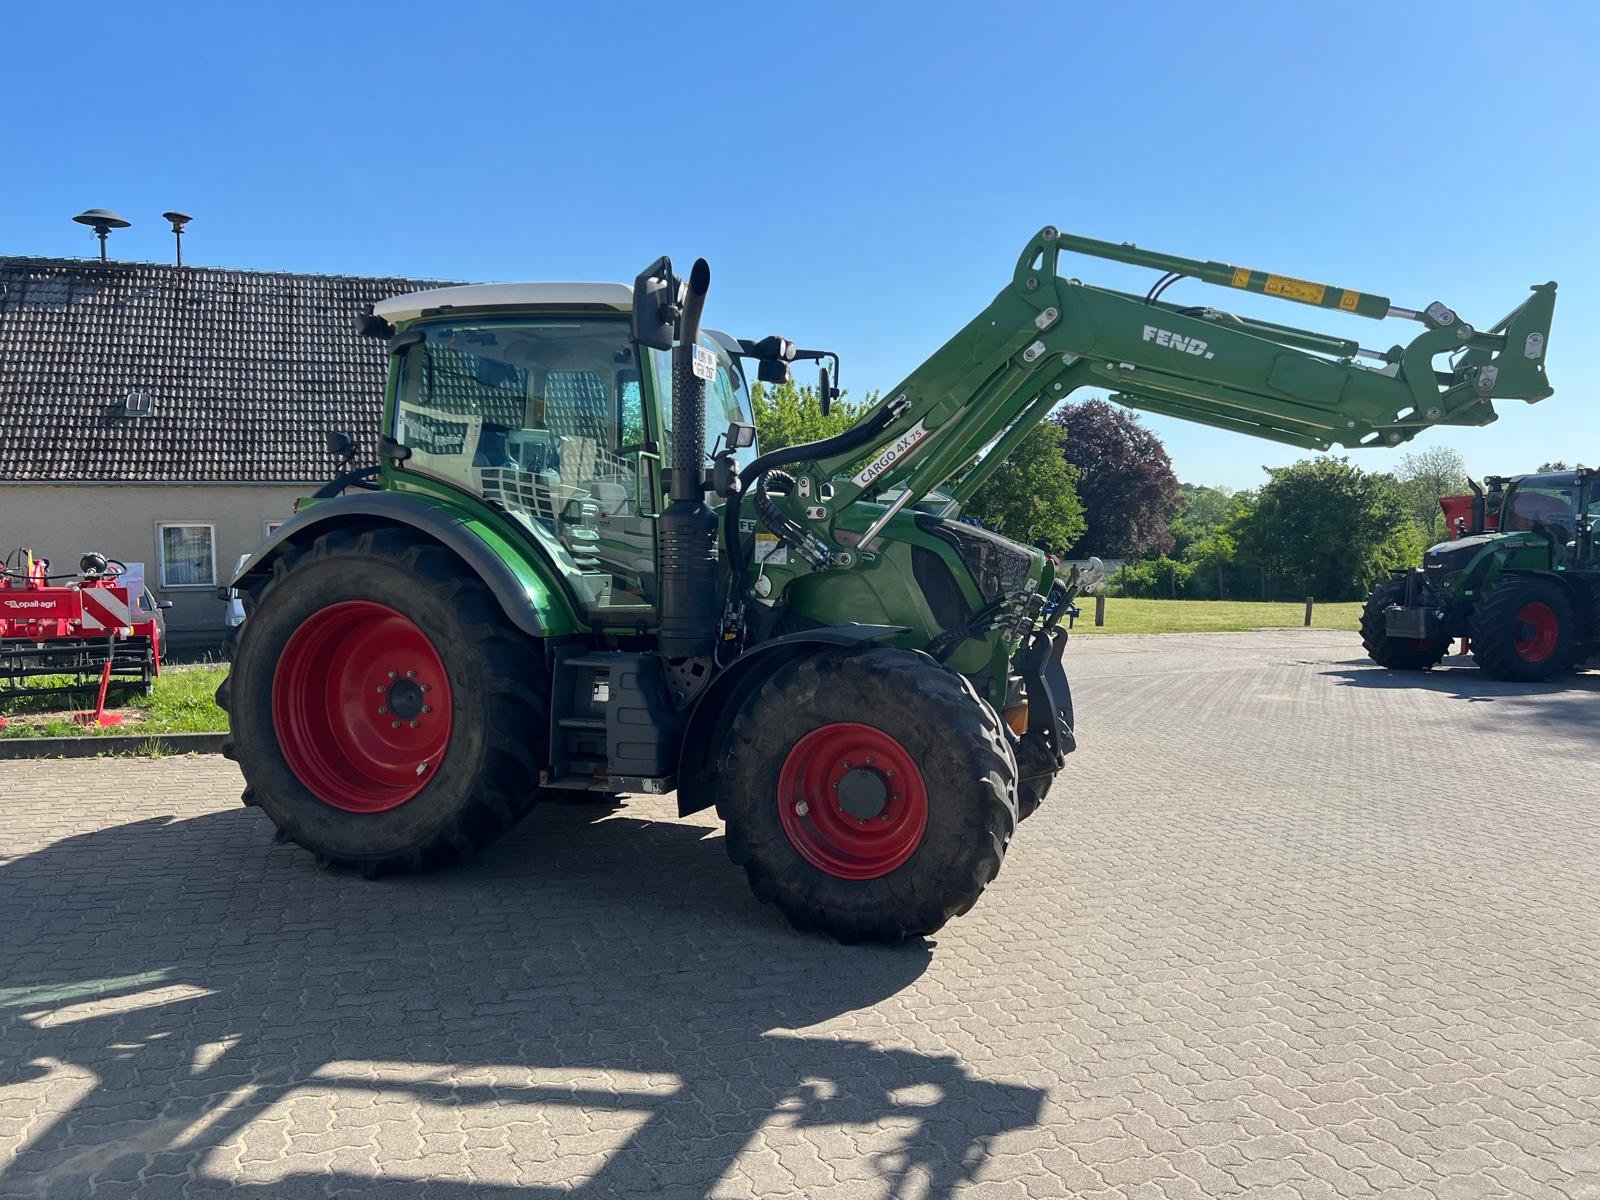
(572, 571)
(1521, 582)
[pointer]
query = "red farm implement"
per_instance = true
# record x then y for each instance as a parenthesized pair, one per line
(75, 634)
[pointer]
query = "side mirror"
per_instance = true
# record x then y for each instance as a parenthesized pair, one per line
(342, 446)
(368, 325)
(824, 390)
(656, 305)
(773, 370)
(163, 603)
(740, 436)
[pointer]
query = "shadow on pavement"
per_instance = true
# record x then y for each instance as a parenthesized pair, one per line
(604, 979)
(1460, 680)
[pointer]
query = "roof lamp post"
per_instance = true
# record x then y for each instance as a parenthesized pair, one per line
(102, 221)
(179, 220)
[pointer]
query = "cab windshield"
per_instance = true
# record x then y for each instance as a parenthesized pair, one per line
(1542, 502)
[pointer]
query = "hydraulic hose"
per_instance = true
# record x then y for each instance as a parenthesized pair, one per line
(853, 438)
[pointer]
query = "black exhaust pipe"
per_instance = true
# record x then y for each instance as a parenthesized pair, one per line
(688, 529)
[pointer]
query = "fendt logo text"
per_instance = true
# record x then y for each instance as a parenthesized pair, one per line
(1165, 337)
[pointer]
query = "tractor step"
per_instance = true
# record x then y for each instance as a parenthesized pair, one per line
(614, 784)
(613, 726)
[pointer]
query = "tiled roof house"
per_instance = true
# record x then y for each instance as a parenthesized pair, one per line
(170, 415)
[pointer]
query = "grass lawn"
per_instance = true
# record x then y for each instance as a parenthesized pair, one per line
(1211, 616)
(182, 703)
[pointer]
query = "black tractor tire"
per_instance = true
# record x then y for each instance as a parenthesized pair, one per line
(1398, 654)
(1523, 629)
(916, 712)
(484, 771)
(1036, 770)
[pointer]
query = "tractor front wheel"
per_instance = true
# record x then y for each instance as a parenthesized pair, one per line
(870, 794)
(384, 712)
(1398, 654)
(1522, 630)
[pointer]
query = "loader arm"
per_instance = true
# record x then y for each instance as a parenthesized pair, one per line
(1046, 335)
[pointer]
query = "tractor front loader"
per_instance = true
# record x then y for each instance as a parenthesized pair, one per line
(1520, 581)
(556, 580)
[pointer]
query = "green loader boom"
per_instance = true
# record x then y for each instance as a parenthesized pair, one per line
(1046, 335)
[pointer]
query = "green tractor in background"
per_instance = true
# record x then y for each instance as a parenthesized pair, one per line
(571, 570)
(1521, 582)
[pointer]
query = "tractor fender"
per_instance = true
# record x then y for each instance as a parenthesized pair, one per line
(705, 730)
(392, 508)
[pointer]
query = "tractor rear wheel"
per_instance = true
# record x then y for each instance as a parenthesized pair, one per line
(870, 794)
(384, 712)
(1398, 654)
(1523, 629)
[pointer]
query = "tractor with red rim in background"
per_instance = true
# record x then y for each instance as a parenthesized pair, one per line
(1520, 581)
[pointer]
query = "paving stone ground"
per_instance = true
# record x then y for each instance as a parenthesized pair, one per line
(1288, 926)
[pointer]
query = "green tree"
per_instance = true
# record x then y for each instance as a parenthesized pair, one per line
(1427, 475)
(1160, 578)
(1202, 509)
(1033, 496)
(1328, 529)
(1126, 482)
(789, 414)
(1558, 465)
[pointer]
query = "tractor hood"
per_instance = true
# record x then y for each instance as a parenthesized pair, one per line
(1449, 557)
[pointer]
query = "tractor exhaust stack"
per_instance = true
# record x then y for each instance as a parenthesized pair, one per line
(688, 528)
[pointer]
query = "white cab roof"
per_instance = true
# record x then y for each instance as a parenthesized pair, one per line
(505, 295)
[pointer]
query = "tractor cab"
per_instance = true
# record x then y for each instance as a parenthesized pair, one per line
(535, 399)
(1556, 504)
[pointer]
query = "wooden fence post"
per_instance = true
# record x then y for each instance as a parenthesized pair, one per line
(1099, 610)
(1309, 602)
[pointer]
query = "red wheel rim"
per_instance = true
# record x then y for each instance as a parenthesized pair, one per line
(852, 801)
(1536, 632)
(362, 706)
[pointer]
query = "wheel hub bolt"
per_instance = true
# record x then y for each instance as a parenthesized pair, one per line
(394, 724)
(382, 709)
(393, 674)
(427, 708)
(411, 674)
(801, 809)
(413, 724)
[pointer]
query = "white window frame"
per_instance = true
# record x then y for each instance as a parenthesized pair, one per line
(161, 554)
(271, 525)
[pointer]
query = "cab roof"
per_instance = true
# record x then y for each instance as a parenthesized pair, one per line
(618, 296)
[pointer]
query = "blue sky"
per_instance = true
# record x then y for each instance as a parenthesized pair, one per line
(861, 176)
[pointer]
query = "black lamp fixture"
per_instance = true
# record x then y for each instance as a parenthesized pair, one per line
(179, 220)
(102, 221)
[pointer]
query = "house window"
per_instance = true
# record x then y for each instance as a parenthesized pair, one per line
(270, 527)
(188, 555)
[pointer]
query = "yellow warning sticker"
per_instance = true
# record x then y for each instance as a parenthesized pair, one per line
(1349, 300)
(1295, 289)
(1241, 277)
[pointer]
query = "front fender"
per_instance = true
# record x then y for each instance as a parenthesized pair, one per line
(520, 588)
(706, 729)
